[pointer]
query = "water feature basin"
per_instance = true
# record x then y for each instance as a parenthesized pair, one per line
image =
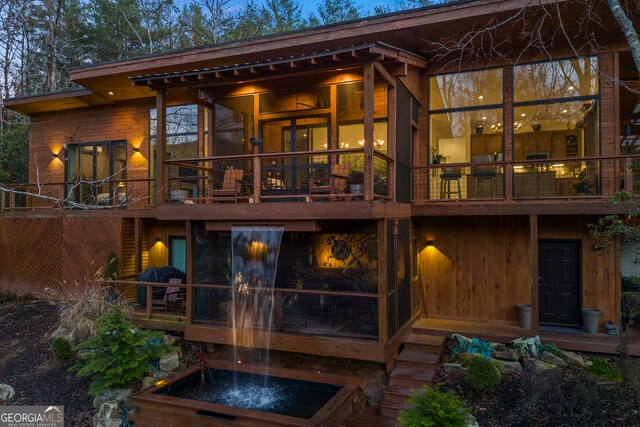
(240, 395)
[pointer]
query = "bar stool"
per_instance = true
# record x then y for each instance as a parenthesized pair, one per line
(483, 173)
(448, 176)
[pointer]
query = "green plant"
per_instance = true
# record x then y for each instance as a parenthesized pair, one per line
(601, 368)
(112, 267)
(583, 186)
(431, 407)
(61, 348)
(552, 348)
(482, 375)
(120, 354)
(475, 346)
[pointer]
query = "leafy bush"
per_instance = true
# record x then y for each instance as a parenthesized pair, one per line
(475, 346)
(61, 348)
(482, 375)
(551, 348)
(120, 353)
(433, 408)
(601, 368)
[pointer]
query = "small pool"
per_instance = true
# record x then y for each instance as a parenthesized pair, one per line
(244, 397)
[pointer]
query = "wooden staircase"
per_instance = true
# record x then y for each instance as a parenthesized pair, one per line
(416, 366)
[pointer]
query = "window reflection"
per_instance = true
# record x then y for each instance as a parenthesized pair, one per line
(463, 90)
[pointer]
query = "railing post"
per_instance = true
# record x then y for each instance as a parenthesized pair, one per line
(508, 182)
(257, 174)
(189, 304)
(628, 175)
(149, 301)
(2, 200)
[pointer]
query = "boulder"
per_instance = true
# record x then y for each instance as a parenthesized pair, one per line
(498, 347)
(169, 340)
(109, 409)
(117, 394)
(527, 346)
(159, 375)
(108, 422)
(541, 365)
(455, 369)
(549, 357)
(148, 382)
(457, 339)
(507, 354)
(169, 361)
(6, 392)
(572, 359)
(507, 367)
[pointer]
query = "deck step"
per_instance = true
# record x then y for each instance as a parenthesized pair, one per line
(411, 378)
(368, 420)
(397, 393)
(422, 342)
(413, 359)
(391, 409)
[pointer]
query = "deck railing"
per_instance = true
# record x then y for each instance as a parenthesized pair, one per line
(285, 176)
(567, 178)
(102, 194)
(305, 311)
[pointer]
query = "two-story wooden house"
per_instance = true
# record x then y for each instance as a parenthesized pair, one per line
(410, 184)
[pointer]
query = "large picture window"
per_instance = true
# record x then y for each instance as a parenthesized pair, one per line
(95, 173)
(182, 143)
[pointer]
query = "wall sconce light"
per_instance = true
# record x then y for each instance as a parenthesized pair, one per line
(135, 149)
(158, 239)
(428, 243)
(55, 156)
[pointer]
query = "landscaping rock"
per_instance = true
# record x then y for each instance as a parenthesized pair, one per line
(540, 365)
(148, 382)
(572, 359)
(159, 375)
(528, 346)
(507, 367)
(116, 394)
(169, 361)
(109, 409)
(507, 354)
(109, 422)
(6, 392)
(457, 339)
(455, 369)
(498, 347)
(549, 357)
(170, 340)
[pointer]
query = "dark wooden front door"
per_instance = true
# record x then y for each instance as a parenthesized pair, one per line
(559, 283)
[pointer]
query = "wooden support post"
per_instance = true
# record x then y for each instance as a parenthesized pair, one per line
(533, 257)
(257, 174)
(2, 200)
(211, 124)
(189, 295)
(391, 141)
(507, 136)
(383, 323)
(161, 147)
(137, 244)
(368, 130)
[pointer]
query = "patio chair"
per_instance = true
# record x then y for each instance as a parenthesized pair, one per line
(231, 187)
(335, 184)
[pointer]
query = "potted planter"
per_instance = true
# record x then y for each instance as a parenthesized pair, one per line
(524, 315)
(590, 320)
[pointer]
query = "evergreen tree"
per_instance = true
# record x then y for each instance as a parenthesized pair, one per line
(332, 11)
(284, 15)
(251, 21)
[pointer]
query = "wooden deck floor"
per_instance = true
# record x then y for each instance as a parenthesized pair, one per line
(499, 332)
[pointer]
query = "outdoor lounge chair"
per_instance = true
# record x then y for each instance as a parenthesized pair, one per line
(335, 184)
(231, 187)
(172, 298)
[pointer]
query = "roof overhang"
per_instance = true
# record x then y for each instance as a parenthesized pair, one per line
(315, 61)
(67, 100)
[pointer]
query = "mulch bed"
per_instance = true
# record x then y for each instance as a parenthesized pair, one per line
(26, 362)
(564, 398)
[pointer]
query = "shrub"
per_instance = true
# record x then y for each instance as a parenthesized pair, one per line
(551, 348)
(61, 348)
(84, 303)
(120, 353)
(601, 368)
(433, 408)
(482, 375)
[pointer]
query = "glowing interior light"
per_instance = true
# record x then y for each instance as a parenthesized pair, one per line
(522, 115)
(564, 111)
(481, 97)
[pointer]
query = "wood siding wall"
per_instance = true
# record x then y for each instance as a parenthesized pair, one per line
(478, 268)
(50, 131)
(48, 256)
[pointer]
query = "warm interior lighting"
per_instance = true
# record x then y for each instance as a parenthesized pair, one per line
(558, 165)
(518, 167)
(110, 93)
(481, 97)
(564, 111)
(522, 115)
(256, 250)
